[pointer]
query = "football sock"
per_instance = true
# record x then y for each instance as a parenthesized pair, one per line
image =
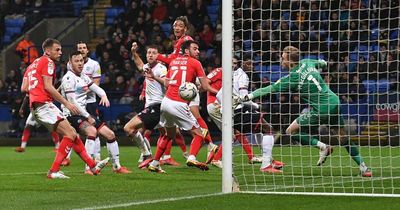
(196, 145)
(25, 136)
(56, 138)
(140, 142)
(147, 142)
(245, 144)
(161, 146)
(218, 155)
(306, 139)
(203, 125)
(352, 149)
(64, 149)
(180, 141)
(168, 149)
(113, 150)
(89, 146)
(79, 148)
(267, 145)
(97, 149)
(69, 154)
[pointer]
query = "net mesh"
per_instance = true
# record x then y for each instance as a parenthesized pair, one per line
(359, 39)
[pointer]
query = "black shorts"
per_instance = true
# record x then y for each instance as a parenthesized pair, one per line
(150, 116)
(92, 109)
(246, 120)
(77, 120)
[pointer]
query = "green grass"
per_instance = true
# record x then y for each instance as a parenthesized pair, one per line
(23, 184)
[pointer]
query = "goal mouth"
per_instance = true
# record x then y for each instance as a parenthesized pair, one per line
(342, 92)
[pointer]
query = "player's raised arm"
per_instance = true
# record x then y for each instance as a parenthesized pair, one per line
(135, 57)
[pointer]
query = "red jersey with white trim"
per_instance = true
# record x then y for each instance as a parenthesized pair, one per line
(35, 72)
(182, 69)
(215, 76)
(177, 49)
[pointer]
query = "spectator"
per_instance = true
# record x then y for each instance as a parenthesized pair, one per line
(3, 92)
(160, 12)
(118, 89)
(27, 50)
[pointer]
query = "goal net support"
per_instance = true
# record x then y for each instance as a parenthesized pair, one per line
(359, 40)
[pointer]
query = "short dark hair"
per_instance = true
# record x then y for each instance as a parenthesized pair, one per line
(184, 19)
(153, 46)
(75, 53)
(49, 42)
(186, 45)
(81, 42)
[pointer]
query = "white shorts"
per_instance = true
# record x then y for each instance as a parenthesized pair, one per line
(48, 115)
(214, 112)
(195, 101)
(175, 113)
(31, 121)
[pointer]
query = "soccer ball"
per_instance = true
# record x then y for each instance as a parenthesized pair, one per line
(188, 91)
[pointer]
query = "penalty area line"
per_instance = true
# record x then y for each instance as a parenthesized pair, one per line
(150, 201)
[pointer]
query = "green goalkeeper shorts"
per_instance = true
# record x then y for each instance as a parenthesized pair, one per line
(310, 121)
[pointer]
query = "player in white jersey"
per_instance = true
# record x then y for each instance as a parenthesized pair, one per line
(74, 87)
(149, 117)
(92, 69)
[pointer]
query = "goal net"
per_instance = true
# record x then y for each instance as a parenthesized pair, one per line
(359, 39)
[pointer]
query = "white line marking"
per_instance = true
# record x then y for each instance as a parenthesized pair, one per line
(149, 202)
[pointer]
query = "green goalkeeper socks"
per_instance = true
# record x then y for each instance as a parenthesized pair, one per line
(305, 139)
(352, 149)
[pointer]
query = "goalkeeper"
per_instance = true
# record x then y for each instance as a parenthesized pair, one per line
(304, 78)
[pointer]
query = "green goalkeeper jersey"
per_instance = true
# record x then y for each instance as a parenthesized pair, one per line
(306, 80)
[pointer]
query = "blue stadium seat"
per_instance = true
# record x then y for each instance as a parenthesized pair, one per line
(14, 22)
(363, 48)
(353, 56)
(209, 52)
(166, 28)
(286, 15)
(394, 34)
(247, 44)
(213, 9)
(383, 85)
(6, 39)
(213, 18)
(374, 48)
(275, 68)
(370, 85)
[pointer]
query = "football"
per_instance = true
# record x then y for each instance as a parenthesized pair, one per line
(187, 91)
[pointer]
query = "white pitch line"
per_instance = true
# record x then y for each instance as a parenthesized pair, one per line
(149, 202)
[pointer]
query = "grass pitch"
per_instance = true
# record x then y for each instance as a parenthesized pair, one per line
(23, 183)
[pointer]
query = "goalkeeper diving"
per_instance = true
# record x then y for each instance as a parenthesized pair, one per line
(305, 80)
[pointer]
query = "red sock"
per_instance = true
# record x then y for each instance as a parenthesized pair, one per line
(180, 141)
(55, 137)
(26, 134)
(245, 144)
(62, 152)
(218, 155)
(79, 148)
(196, 145)
(147, 134)
(161, 146)
(168, 149)
(203, 125)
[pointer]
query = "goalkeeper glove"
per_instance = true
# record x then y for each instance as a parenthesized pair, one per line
(247, 97)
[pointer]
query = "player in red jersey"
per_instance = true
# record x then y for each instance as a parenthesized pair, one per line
(213, 108)
(175, 110)
(38, 82)
(180, 27)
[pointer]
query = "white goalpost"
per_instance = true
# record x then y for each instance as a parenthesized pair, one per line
(360, 41)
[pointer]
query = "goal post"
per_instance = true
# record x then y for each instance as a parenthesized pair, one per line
(360, 42)
(227, 124)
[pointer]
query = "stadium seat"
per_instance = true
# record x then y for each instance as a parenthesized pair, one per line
(383, 85)
(353, 57)
(394, 35)
(275, 68)
(370, 85)
(363, 48)
(286, 15)
(166, 28)
(247, 44)
(213, 18)
(374, 48)
(213, 9)
(14, 22)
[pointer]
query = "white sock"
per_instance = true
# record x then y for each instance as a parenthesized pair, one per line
(23, 144)
(155, 163)
(140, 142)
(57, 145)
(97, 150)
(89, 146)
(164, 157)
(363, 167)
(191, 157)
(147, 142)
(113, 150)
(69, 154)
(267, 145)
(321, 145)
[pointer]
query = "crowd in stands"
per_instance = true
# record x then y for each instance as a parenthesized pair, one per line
(358, 38)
